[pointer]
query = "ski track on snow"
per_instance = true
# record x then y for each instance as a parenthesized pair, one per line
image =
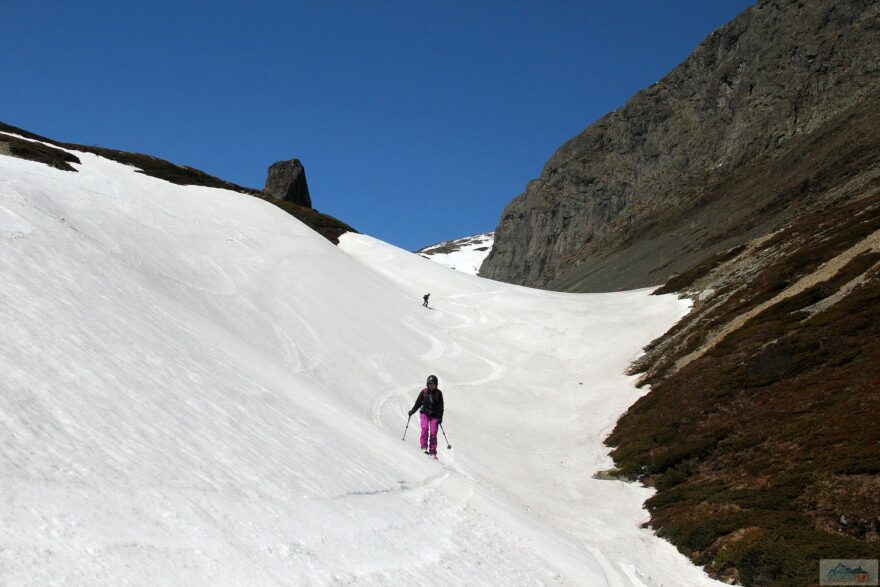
(455, 481)
(567, 553)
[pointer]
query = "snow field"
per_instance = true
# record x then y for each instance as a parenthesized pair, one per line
(198, 390)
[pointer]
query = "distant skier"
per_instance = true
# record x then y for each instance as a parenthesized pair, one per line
(425, 299)
(430, 401)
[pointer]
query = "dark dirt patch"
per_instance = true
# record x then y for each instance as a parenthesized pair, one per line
(38, 152)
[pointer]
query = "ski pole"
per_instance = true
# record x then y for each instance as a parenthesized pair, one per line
(407, 427)
(444, 436)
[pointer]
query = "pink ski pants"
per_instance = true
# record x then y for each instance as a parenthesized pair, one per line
(429, 424)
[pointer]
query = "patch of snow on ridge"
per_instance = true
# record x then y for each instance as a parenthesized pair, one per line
(465, 254)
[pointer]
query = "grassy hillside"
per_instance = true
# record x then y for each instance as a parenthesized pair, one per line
(760, 432)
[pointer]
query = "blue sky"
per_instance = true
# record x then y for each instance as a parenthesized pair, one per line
(416, 121)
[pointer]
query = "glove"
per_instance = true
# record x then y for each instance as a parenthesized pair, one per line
(411, 412)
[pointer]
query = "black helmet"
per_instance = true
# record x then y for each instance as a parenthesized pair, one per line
(432, 379)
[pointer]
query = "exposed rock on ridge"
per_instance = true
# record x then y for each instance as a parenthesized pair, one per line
(287, 181)
(635, 198)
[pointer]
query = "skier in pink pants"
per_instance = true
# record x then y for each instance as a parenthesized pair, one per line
(430, 404)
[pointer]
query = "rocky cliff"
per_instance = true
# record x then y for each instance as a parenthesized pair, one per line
(673, 176)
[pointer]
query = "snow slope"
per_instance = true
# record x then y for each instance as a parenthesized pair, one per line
(198, 390)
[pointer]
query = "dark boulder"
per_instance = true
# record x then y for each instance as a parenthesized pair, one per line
(287, 182)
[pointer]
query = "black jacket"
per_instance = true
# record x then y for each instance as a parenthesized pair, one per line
(430, 402)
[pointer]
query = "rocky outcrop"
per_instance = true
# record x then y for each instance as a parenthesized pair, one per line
(287, 182)
(649, 190)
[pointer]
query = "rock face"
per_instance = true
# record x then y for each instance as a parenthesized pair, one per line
(648, 190)
(287, 182)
